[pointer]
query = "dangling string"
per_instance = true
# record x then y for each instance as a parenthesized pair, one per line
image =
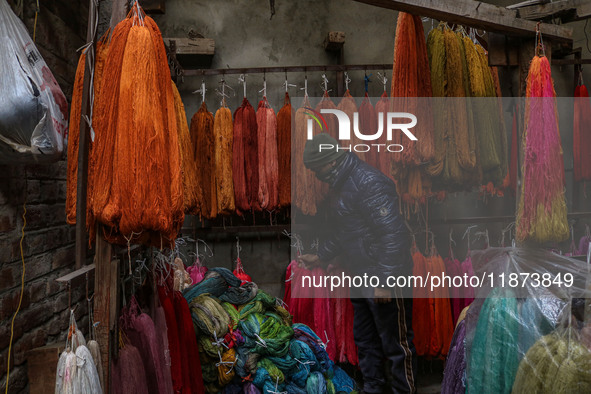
(451, 240)
(347, 80)
(467, 233)
(539, 41)
(324, 84)
(366, 80)
(222, 92)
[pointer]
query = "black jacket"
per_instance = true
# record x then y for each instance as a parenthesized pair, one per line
(368, 231)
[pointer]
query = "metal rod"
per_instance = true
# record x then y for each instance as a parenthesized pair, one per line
(285, 69)
(332, 67)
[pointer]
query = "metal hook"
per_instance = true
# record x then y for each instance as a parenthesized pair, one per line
(467, 233)
(242, 79)
(383, 79)
(305, 88)
(286, 84)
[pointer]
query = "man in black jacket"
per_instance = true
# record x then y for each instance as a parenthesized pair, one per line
(372, 238)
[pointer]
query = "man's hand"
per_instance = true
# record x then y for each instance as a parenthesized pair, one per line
(309, 261)
(382, 296)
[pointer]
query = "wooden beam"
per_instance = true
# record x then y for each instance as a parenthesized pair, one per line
(334, 41)
(196, 46)
(82, 175)
(476, 14)
(541, 11)
(526, 3)
(102, 302)
(76, 274)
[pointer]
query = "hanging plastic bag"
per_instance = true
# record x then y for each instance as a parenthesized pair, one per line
(33, 109)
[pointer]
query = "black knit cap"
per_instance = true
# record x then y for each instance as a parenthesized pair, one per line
(315, 157)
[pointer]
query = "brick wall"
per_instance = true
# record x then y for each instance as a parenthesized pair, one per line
(49, 242)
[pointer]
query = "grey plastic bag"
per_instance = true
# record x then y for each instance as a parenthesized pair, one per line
(33, 109)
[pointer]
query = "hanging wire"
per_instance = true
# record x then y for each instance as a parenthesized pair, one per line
(347, 80)
(242, 80)
(264, 89)
(201, 90)
(383, 79)
(324, 84)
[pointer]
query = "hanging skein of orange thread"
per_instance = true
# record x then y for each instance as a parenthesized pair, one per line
(104, 122)
(73, 140)
(102, 48)
(223, 131)
(267, 151)
(304, 182)
(284, 118)
(140, 195)
(203, 139)
(136, 109)
(582, 135)
(167, 102)
(191, 185)
(542, 212)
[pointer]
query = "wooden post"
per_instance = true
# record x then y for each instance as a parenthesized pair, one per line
(102, 302)
(82, 175)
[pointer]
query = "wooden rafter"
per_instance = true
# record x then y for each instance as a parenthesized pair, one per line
(567, 10)
(476, 14)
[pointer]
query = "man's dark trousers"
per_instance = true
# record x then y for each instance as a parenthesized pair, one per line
(384, 331)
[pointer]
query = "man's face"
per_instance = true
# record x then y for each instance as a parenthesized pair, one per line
(323, 173)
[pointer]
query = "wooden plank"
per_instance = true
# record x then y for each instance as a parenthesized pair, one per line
(76, 274)
(526, 3)
(541, 11)
(102, 303)
(113, 342)
(334, 41)
(476, 14)
(154, 6)
(41, 365)
(570, 62)
(196, 46)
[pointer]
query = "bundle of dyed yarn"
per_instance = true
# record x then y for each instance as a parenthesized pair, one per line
(247, 342)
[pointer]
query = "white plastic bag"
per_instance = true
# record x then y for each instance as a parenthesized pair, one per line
(33, 109)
